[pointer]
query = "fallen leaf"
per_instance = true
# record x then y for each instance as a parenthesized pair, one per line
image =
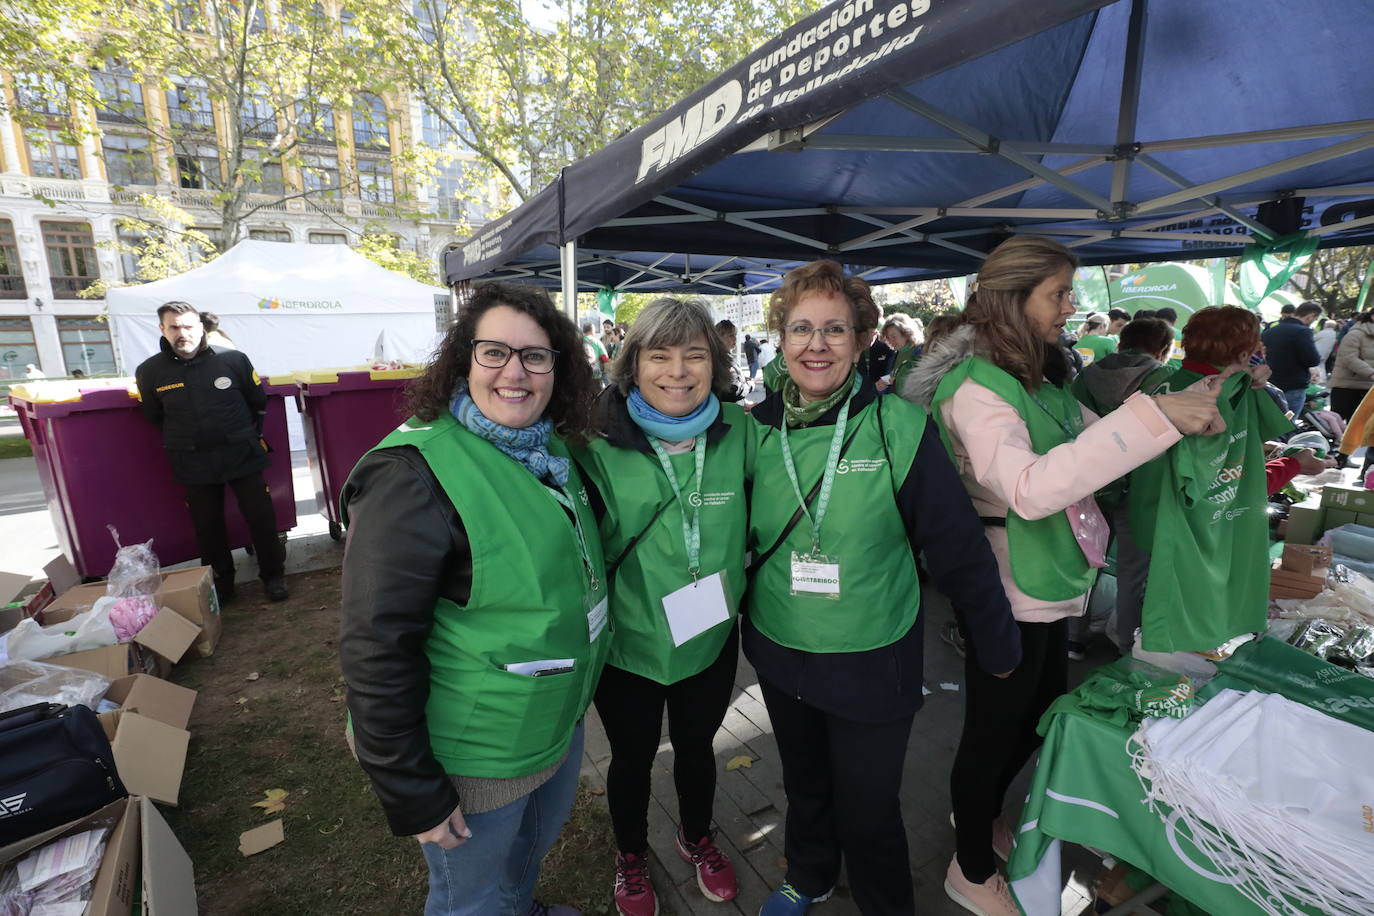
(336, 699)
(597, 790)
(743, 760)
(253, 677)
(241, 701)
(328, 830)
(274, 801)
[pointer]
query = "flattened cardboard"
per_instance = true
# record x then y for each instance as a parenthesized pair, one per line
(61, 574)
(168, 634)
(11, 584)
(150, 755)
(261, 839)
(169, 883)
(168, 703)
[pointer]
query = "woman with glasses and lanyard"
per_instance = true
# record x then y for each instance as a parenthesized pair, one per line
(1031, 458)
(847, 490)
(474, 616)
(669, 462)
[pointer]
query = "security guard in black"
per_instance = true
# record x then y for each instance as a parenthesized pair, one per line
(209, 404)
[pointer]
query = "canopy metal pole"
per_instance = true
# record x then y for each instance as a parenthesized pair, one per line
(1130, 103)
(567, 262)
(1164, 171)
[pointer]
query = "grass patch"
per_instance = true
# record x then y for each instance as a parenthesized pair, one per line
(283, 729)
(15, 447)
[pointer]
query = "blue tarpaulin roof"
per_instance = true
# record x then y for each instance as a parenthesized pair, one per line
(914, 135)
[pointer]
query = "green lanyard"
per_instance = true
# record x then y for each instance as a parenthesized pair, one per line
(691, 530)
(561, 494)
(827, 477)
(1071, 427)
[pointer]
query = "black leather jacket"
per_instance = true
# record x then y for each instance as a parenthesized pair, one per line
(210, 409)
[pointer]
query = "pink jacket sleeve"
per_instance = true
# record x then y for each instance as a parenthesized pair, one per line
(992, 446)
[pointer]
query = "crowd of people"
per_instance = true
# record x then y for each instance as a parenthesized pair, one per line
(531, 543)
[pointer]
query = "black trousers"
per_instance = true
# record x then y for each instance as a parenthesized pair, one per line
(631, 709)
(842, 780)
(206, 502)
(1344, 401)
(1000, 715)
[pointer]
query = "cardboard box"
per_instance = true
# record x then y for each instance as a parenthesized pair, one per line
(1304, 522)
(144, 864)
(153, 697)
(1306, 560)
(1335, 518)
(166, 637)
(189, 592)
(149, 755)
(1355, 499)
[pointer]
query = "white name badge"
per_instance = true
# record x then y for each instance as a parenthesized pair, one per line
(696, 608)
(596, 620)
(815, 574)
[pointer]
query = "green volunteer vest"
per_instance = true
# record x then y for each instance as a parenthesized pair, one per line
(879, 592)
(1046, 561)
(529, 602)
(635, 487)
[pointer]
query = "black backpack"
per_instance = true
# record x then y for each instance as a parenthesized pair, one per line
(56, 765)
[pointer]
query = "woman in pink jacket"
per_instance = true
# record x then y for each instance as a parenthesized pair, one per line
(1031, 459)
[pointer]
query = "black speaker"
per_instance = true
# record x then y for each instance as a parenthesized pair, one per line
(1282, 216)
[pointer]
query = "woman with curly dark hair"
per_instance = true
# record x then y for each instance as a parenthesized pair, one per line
(474, 603)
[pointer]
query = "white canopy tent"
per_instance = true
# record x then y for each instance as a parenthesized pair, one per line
(288, 307)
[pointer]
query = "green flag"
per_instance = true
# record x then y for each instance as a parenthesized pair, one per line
(1266, 268)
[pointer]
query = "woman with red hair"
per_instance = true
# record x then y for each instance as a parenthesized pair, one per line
(1198, 509)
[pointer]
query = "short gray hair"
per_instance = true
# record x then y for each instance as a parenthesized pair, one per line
(670, 322)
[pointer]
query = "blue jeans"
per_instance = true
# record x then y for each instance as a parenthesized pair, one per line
(1295, 398)
(494, 872)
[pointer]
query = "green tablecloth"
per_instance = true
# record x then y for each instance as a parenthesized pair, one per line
(1084, 790)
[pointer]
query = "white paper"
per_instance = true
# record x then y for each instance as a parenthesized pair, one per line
(820, 578)
(533, 669)
(596, 619)
(696, 608)
(61, 856)
(946, 685)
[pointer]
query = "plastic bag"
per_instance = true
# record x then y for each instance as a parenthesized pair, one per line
(136, 570)
(87, 630)
(24, 683)
(129, 615)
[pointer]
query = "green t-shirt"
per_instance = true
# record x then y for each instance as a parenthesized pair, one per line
(1198, 510)
(1094, 347)
(596, 355)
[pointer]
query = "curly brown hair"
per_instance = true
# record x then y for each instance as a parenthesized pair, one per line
(829, 276)
(1220, 335)
(573, 388)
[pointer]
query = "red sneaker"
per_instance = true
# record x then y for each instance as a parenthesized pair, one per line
(634, 894)
(715, 874)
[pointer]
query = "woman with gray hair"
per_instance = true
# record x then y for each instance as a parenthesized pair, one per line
(669, 461)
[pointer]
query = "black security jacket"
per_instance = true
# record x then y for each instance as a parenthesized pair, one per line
(210, 409)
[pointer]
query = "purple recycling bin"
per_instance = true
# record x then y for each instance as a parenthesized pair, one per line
(101, 463)
(345, 412)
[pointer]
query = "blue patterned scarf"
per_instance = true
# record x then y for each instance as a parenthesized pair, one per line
(529, 446)
(668, 428)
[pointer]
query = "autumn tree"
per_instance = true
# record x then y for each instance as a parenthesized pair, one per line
(527, 101)
(1333, 277)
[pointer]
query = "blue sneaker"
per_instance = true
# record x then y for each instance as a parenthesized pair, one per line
(788, 901)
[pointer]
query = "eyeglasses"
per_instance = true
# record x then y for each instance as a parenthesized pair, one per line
(492, 354)
(832, 333)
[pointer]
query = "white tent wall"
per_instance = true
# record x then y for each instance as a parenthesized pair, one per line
(288, 307)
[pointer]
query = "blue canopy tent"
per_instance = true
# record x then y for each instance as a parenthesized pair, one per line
(914, 135)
